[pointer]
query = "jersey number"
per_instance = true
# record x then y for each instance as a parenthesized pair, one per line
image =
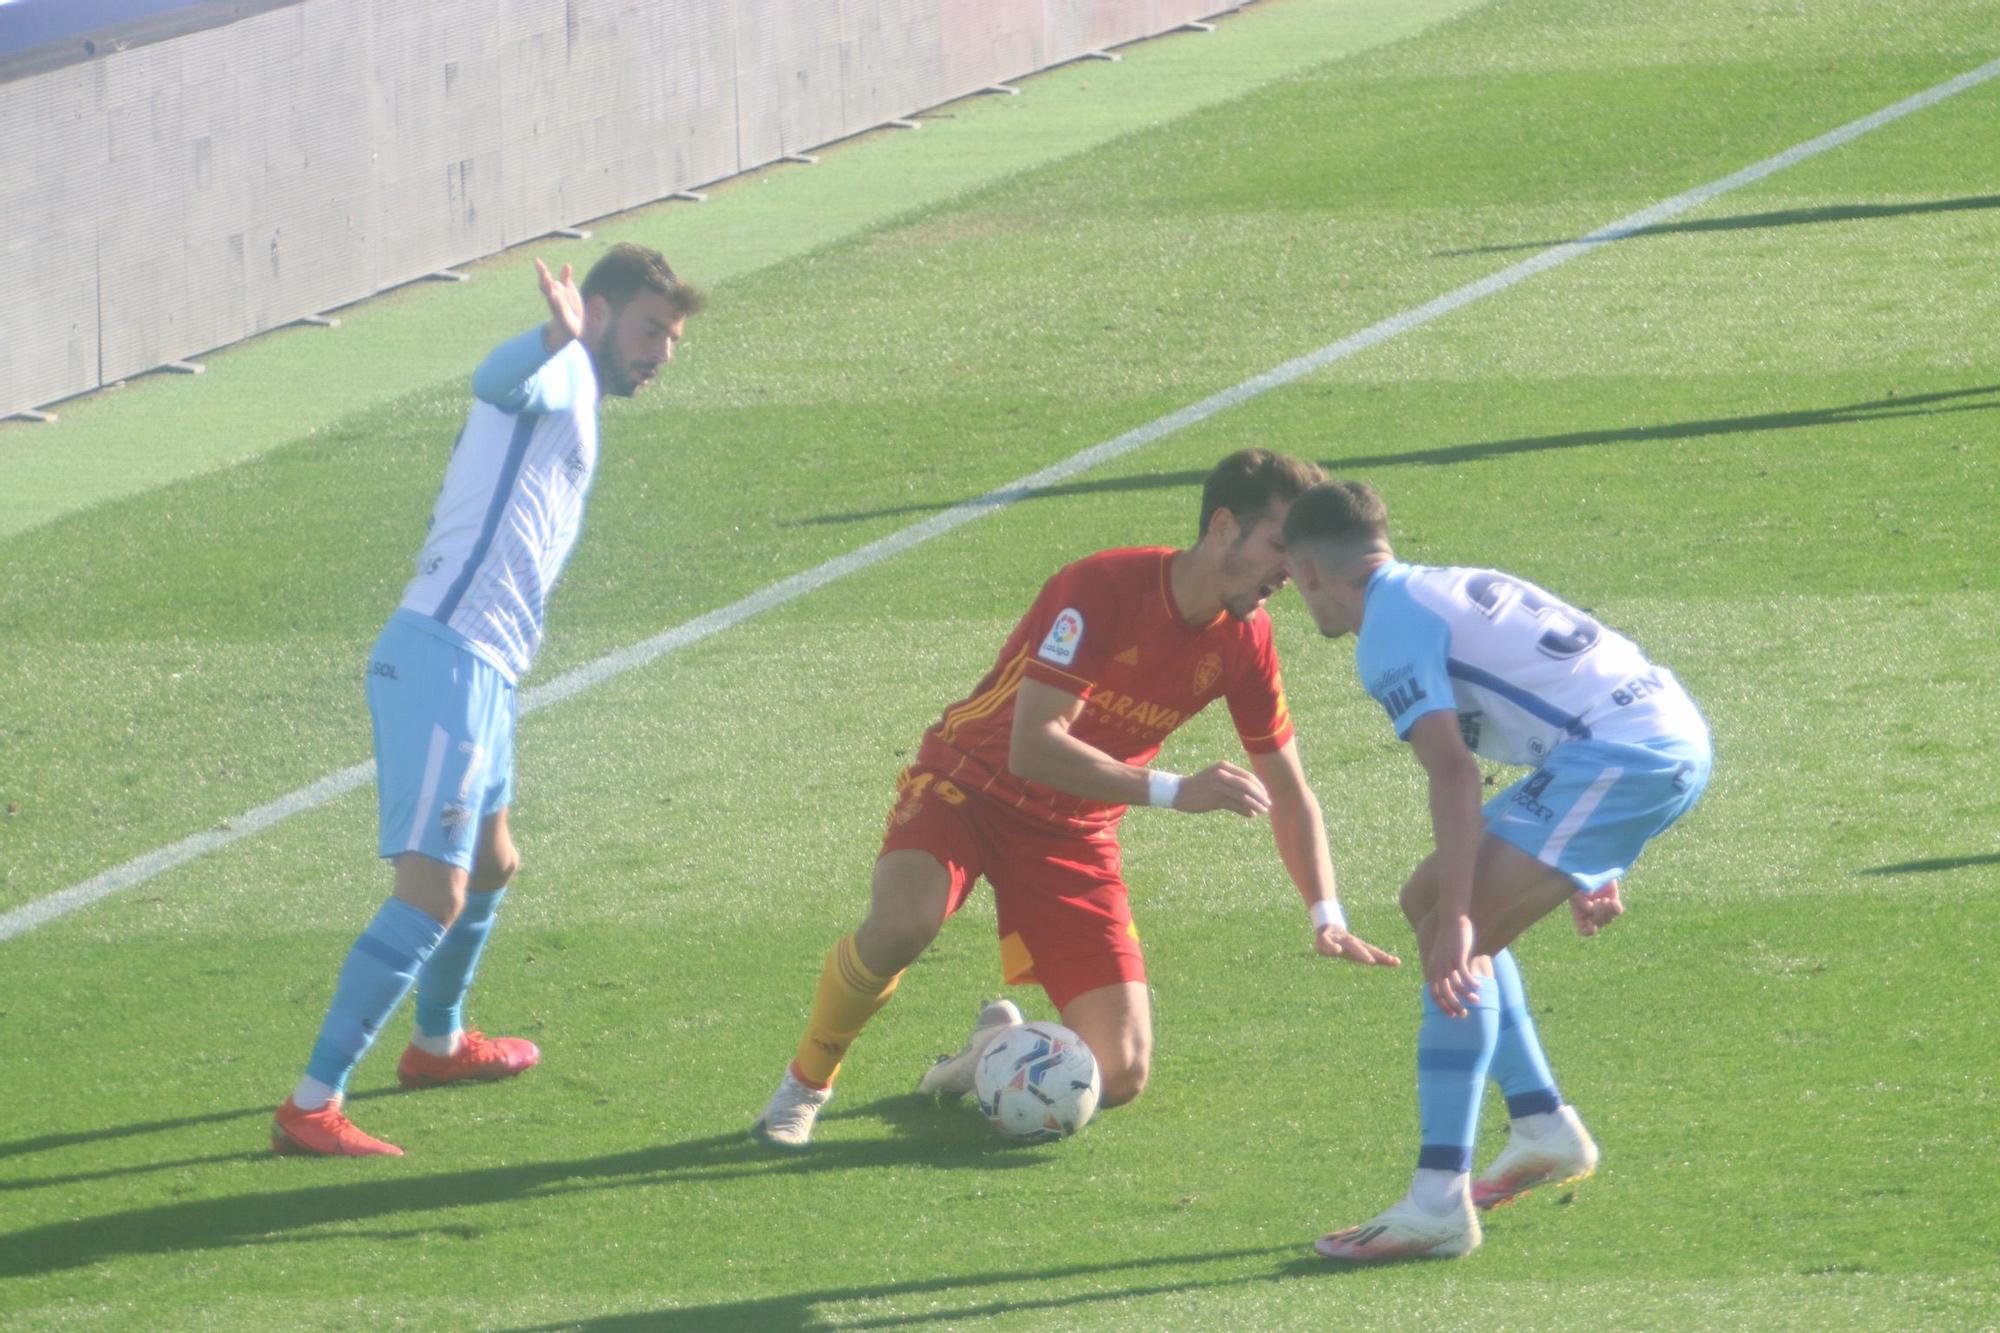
(1566, 632)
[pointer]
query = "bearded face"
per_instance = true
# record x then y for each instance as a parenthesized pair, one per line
(637, 339)
(1253, 566)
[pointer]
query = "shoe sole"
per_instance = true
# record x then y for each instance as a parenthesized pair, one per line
(1526, 1190)
(284, 1145)
(763, 1135)
(412, 1082)
(1438, 1251)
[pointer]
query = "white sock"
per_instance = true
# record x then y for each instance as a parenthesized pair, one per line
(311, 1094)
(1439, 1193)
(429, 1045)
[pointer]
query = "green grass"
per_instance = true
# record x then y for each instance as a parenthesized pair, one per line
(1762, 440)
(160, 429)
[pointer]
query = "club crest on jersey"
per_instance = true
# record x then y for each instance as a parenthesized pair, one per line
(456, 820)
(1064, 636)
(1207, 672)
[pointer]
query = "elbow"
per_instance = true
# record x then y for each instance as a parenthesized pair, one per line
(491, 394)
(1025, 758)
(1019, 764)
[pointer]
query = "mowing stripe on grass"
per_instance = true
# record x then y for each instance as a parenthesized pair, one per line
(142, 868)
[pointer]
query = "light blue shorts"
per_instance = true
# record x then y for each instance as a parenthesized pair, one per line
(444, 741)
(1593, 805)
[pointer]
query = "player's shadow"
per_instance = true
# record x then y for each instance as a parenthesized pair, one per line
(926, 1135)
(1935, 864)
(1783, 217)
(52, 1142)
(116, 1172)
(1847, 414)
(1013, 1294)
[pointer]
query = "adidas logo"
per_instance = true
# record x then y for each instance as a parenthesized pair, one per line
(1130, 657)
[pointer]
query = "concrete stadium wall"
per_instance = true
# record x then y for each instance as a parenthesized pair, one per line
(165, 199)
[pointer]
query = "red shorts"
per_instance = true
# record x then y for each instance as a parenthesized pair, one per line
(1065, 914)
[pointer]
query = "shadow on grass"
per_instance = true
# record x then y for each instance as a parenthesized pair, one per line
(795, 1312)
(114, 1172)
(927, 1135)
(1881, 409)
(1784, 217)
(51, 1142)
(1935, 864)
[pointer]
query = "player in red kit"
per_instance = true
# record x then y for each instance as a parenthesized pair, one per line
(1025, 781)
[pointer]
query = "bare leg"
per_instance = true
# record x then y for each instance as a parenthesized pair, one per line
(434, 888)
(1116, 1022)
(907, 900)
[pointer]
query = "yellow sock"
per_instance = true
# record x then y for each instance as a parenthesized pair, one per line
(848, 996)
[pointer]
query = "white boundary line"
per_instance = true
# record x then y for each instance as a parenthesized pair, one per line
(142, 868)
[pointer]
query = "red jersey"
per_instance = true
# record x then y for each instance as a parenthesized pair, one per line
(1106, 629)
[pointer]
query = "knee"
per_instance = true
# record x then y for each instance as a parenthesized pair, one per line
(892, 938)
(495, 871)
(1122, 1079)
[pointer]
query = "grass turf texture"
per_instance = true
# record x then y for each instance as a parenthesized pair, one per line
(1761, 439)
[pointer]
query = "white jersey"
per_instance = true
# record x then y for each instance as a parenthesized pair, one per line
(511, 506)
(1523, 670)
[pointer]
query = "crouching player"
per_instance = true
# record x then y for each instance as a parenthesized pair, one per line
(1025, 782)
(1465, 662)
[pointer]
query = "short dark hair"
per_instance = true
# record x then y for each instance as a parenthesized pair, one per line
(627, 269)
(1338, 513)
(1249, 480)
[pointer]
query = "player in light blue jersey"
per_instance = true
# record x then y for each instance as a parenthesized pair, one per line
(1472, 662)
(442, 675)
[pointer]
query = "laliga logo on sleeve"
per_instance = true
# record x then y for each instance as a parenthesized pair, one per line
(1064, 636)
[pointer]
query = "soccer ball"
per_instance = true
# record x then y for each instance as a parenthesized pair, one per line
(1037, 1082)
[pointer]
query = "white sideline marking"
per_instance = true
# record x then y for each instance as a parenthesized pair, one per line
(142, 868)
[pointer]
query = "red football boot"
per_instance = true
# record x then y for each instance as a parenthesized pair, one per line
(478, 1057)
(326, 1132)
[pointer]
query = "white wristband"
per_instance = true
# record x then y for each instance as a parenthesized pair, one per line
(1161, 788)
(1326, 912)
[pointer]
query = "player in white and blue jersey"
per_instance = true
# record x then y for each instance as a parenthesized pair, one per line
(1472, 662)
(442, 675)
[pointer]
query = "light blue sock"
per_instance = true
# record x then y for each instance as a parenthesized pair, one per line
(447, 974)
(378, 973)
(1452, 1059)
(1519, 1066)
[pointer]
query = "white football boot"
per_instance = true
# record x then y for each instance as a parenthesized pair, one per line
(1406, 1231)
(952, 1075)
(1548, 1149)
(789, 1116)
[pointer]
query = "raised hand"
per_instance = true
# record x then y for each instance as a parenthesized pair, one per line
(1223, 786)
(565, 306)
(1333, 942)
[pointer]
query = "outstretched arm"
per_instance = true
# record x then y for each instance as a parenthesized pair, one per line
(1300, 832)
(1455, 823)
(1041, 749)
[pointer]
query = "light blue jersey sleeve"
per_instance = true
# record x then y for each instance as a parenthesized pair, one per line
(522, 375)
(1402, 655)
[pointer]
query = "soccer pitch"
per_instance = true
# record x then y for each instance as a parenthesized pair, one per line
(1759, 437)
